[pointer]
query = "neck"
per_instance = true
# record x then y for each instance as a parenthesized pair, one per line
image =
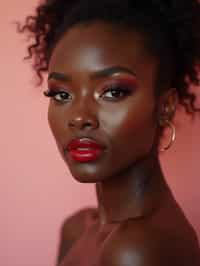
(133, 193)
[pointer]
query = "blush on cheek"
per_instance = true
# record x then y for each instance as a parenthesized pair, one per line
(140, 132)
(53, 120)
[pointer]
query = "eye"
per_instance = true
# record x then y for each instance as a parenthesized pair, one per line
(59, 96)
(116, 92)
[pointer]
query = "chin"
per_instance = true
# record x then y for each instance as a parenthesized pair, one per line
(85, 180)
(87, 172)
(83, 173)
(86, 177)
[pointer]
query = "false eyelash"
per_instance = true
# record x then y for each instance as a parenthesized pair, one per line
(50, 93)
(124, 89)
(118, 88)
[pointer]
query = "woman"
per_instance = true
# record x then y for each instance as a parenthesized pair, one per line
(117, 71)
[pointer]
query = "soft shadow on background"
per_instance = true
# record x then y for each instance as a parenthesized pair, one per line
(36, 189)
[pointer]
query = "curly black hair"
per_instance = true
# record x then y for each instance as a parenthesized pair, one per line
(171, 27)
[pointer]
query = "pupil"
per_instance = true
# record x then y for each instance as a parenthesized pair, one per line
(116, 92)
(63, 95)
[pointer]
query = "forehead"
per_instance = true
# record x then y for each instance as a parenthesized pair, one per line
(94, 46)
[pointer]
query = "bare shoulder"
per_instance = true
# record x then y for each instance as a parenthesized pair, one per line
(144, 244)
(76, 223)
(72, 228)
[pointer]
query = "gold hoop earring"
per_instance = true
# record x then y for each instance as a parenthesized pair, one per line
(173, 135)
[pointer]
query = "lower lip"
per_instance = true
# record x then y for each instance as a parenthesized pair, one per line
(85, 156)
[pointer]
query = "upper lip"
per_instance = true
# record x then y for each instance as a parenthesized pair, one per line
(84, 142)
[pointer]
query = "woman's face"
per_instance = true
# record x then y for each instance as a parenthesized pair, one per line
(106, 78)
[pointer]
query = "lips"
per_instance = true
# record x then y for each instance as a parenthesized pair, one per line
(84, 149)
(83, 144)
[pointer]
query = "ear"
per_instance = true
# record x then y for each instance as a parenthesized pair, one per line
(167, 105)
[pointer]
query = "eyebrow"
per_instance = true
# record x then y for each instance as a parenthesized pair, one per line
(107, 72)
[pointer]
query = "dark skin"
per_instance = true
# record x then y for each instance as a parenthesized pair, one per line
(137, 222)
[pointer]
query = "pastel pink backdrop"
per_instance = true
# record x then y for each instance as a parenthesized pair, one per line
(36, 189)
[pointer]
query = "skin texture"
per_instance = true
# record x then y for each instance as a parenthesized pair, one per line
(137, 222)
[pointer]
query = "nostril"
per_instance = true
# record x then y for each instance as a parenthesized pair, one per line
(81, 123)
(71, 124)
(88, 124)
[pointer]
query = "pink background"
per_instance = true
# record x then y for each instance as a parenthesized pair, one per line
(36, 189)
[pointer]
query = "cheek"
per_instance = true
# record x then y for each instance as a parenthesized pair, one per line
(133, 130)
(140, 129)
(54, 120)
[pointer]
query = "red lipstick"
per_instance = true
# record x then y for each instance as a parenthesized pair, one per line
(84, 149)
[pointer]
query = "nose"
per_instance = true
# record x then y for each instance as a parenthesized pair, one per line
(83, 117)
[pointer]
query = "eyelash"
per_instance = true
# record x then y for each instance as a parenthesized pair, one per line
(117, 88)
(51, 93)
